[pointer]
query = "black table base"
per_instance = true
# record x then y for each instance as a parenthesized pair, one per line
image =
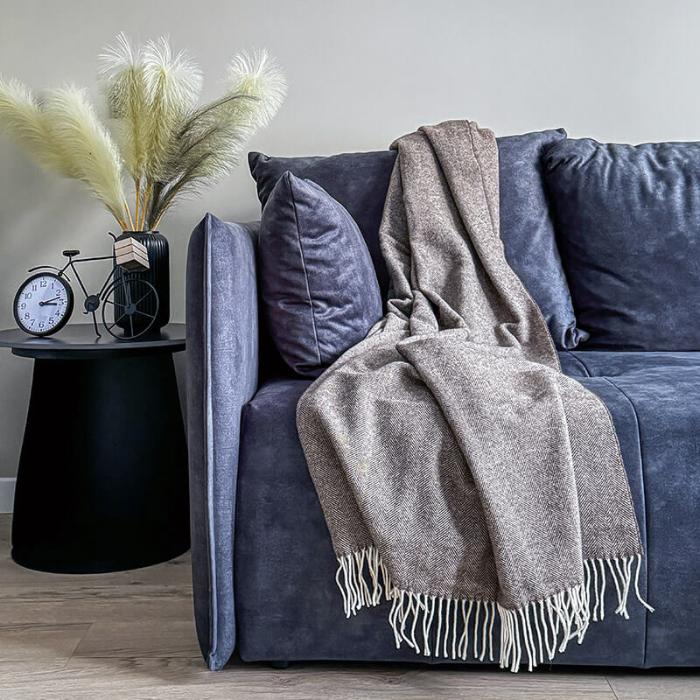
(102, 480)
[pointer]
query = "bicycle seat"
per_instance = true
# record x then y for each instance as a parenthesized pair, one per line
(71, 253)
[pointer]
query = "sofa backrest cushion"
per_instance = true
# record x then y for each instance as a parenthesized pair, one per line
(628, 227)
(527, 231)
(319, 290)
(359, 181)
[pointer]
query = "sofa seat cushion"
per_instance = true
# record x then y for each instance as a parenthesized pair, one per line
(626, 219)
(663, 390)
(288, 604)
(608, 363)
(359, 181)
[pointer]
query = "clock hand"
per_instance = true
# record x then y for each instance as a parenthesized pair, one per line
(50, 302)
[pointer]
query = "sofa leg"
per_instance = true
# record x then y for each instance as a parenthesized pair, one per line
(279, 664)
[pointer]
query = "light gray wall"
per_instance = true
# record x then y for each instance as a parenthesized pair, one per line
(361, 72)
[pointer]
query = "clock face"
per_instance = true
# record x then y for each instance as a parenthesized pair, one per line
(43, 304)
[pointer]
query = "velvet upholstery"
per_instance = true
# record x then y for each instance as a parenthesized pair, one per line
(282, 537)
(258, 534)
(319, 291)
(359, 182)
(627, 224)
(663, 390)
(222, 368)
(528, 234)
(286, 602)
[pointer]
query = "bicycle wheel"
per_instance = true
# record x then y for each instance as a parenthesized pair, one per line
(133, 305)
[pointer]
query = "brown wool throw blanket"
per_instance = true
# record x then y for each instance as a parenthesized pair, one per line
(461, 474)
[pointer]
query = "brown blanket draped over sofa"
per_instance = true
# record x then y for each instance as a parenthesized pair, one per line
(462, 476)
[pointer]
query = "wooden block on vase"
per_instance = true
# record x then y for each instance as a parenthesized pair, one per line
(131, 255)
(133, 263)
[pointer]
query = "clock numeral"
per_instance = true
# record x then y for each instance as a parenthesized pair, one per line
(43, 283)
(26, 315)
(28, 295)
(23, 306)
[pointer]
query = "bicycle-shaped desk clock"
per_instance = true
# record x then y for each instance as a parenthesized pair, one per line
(44, 302)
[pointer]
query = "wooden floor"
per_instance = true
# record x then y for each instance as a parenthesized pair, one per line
(131, 635)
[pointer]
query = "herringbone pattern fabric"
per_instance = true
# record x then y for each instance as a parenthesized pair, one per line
(448, 446)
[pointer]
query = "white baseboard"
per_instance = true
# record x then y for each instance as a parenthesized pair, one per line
(7, 494)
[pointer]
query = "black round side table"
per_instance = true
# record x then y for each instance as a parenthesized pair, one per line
(102, 480)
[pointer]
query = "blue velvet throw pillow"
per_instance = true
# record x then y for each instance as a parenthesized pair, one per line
(359, 181)
(319, 289)
(628, 224)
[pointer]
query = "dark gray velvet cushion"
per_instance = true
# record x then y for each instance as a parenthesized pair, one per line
(627, 221)
(359, 181)
(663, 391)
(528, 234)
(319, 290)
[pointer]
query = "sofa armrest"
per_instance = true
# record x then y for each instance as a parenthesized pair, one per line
(222, 375)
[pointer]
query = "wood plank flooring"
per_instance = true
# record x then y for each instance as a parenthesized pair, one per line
(131, 635)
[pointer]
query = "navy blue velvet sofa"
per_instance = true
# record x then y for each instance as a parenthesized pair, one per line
(263, 566)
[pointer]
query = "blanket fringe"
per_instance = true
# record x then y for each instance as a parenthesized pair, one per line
(449, 627)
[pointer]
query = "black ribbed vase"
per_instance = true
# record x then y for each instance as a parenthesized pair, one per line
(158, 275)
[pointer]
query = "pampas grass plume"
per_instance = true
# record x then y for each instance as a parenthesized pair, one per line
(162, 139)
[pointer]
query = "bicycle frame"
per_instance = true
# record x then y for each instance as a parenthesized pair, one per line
(93, 301)
(61, 272)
